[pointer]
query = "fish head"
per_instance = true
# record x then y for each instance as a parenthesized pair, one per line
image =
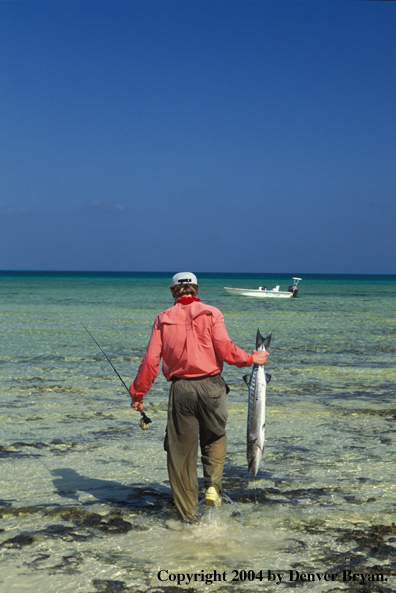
(254, 457)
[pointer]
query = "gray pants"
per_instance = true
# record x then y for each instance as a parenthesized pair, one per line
(197, 408)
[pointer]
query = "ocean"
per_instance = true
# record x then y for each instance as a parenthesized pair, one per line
(85, 502)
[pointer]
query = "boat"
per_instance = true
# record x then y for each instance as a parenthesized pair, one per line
(262, 291)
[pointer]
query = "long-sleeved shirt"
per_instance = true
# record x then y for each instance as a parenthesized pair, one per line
(192, 341)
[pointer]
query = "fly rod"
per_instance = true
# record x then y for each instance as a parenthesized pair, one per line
(145, 420)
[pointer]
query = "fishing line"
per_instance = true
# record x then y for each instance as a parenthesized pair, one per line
(255, 494)
(145, 420)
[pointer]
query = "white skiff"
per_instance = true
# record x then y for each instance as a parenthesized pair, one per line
(262, 291)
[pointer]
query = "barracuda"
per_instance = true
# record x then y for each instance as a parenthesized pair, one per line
(257, 382)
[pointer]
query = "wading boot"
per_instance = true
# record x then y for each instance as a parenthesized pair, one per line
(212, 497)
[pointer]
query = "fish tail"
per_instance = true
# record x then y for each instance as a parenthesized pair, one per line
(260, 340)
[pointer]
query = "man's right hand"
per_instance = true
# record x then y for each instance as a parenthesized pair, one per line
(260, 356)
(138, 406)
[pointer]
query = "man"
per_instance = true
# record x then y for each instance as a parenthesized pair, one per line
(193, 343)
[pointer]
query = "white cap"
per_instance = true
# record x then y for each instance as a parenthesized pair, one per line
(184, 278)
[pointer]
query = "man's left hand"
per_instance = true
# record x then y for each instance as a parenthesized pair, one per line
(260, 356)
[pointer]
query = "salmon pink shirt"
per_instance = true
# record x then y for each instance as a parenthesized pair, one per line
(192, 340)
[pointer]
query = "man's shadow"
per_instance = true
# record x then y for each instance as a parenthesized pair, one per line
(70, 483)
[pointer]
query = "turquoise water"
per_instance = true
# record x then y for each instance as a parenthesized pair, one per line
(85, 502)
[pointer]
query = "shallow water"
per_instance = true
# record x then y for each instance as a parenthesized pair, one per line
(85, 501)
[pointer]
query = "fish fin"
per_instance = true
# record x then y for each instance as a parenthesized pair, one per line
(246, 378)
(260, 340)
(267, 341)
(267, 378)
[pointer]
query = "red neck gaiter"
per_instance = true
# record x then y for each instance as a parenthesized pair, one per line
(187, 300)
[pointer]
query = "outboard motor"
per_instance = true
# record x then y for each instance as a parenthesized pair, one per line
(294, 287)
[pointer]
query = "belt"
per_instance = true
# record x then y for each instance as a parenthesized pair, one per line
(174, 378)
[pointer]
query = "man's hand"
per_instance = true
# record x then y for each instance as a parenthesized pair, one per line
(260, 357)
(138, 406)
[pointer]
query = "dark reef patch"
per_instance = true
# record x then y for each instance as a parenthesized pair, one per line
(27, 538)
(22, 444)
(241, 488)
(373, 541)
(271, 496)
(149, 499)
(110, 523)
(10, 453)
(388, 413)
(108, 586)
(69, 564)
(370, 588)
(85, 525)
(19, 449)
(40, 558)
(113, 432)
(363, 545)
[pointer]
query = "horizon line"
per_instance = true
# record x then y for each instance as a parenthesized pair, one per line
(168, 273)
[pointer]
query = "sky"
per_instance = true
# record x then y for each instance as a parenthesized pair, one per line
(210, 136)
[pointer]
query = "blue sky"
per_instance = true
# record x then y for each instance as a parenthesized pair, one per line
(214, 136)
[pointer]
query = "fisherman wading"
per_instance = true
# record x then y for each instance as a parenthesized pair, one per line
(193, 343)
